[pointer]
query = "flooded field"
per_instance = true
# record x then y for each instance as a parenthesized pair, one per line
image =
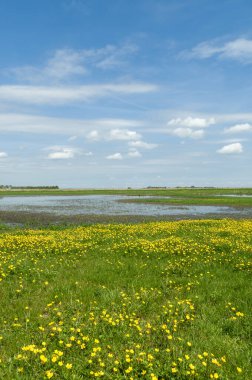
(106, 205)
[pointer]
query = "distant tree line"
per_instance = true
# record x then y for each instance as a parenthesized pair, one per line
(156, 187)
(28, 187)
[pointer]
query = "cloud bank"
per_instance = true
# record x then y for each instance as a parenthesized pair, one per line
(61, 95)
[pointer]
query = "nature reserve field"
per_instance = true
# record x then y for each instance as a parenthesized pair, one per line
(162, 300)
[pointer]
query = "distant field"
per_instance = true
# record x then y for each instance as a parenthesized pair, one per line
(181, 192)
(182, 196)
(163, 300)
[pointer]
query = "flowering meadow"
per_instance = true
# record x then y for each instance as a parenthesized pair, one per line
(161, 300)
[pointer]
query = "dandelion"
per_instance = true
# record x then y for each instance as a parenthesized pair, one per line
(49, 374)
(43, 358)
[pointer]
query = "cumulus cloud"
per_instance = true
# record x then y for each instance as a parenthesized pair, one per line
(231, 149)
(123, 134)
(60, 95)
(189, 127)
(60, 152)
(142, 144)
(239, 49)
(239, 128)
(3, 154)
(133, 153)
(188, 132)
(191, 122)
(115, 156)
(113, 134)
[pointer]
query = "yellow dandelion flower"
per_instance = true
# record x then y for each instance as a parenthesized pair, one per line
(43, 358)
(49, 374)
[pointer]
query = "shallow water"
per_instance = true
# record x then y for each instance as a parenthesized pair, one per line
(103, 205)
(234, 195)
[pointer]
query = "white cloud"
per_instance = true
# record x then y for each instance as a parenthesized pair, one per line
(239, 128)
(3, 154)
(66, 63)
(115, 156)
(60, 152)
(93, 135)
(187, 127)
(60, 95)
(191, 122)
(231, 149)
(112, 56)
(60, 155)
(141, 144)
(134, 153)
(239, 49)
(187, 132)
(114, 134)
(123, 134)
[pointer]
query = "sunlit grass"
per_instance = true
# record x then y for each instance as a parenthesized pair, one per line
(163, 300)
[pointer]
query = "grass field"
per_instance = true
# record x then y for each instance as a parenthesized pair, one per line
(163, 300)
(199, 201)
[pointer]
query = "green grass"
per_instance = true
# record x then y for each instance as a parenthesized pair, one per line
(163, 300)
(177, 192)
(204, 201)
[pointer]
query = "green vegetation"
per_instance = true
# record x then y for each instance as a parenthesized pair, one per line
(204, 201)
(175, 192)
(163, 300)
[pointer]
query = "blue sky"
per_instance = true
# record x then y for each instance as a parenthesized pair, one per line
(118, 93)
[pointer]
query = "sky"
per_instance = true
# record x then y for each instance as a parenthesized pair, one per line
(123, 93)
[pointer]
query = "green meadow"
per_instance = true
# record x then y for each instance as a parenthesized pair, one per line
(161, 300)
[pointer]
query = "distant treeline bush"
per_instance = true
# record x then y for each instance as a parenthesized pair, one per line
(28, 187)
